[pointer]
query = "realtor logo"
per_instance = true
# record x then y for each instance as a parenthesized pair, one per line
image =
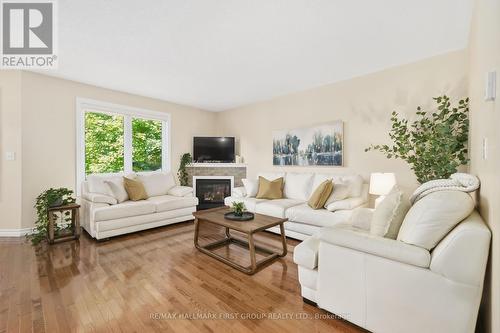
(28, 34)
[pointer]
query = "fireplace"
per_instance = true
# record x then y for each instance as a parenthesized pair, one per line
(211, 190)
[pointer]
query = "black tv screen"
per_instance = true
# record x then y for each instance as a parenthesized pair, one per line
(213, 149)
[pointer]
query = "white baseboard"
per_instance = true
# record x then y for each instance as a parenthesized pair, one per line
(15, 232)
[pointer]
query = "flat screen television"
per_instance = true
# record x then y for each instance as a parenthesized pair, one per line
(213, 149)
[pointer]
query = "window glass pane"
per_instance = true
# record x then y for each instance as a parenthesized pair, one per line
(103, 143)
(146, 144)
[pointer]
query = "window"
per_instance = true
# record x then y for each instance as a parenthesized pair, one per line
(113, 139)
(146, 144)
(104, 151)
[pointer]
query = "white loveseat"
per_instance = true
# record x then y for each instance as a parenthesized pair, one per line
(106, 213)
(390, 285)
(303, 221)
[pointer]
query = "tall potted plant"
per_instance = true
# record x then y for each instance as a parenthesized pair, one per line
(186, 159)
(435, 144)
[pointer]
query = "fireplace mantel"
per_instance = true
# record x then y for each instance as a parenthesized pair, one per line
(236, 170)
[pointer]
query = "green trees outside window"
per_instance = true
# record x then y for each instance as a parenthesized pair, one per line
(146, 144)
(103, 143)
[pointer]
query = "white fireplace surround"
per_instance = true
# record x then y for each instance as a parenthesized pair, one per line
(195, 178)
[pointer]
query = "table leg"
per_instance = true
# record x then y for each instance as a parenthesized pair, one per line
(77, 223)
(251, 248)
(196, 232)
(283, 240)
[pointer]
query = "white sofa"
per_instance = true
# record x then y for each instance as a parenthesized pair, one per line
(303, 221)
(106, 214)
(392, 285)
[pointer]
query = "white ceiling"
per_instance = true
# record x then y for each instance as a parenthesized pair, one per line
(220, 54)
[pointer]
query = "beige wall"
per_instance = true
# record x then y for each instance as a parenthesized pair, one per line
(364, 104)
(10, 136)
(484, 48)
(46, 127)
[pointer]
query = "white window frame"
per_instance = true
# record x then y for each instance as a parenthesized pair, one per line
(84, 105)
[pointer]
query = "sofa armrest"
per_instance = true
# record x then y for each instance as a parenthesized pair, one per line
(349, 203)
(99, 198)
(375, 245)
(463, 254)
(239, 192)
(181, 191)
(306, 253)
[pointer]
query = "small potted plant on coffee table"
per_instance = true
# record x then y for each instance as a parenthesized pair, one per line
(238, 212)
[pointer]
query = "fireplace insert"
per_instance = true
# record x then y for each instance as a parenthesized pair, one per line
(211, 192)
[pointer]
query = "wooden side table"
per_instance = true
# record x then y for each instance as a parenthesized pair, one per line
(75, 222)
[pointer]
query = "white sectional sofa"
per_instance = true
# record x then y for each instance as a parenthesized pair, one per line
(303, 221)
(106, 213)
(429, 279)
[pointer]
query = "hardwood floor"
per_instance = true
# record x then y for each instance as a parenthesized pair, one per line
(151, 281)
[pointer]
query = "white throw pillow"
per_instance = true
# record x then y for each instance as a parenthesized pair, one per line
(157, 183)
(355, 184)
(362, 218)
(298, 186)
(251, 187)
(433, 216)
(117, 189)
(96, 183)
(340, 192)
(389, 215)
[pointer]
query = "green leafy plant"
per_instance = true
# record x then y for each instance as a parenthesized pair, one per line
(435, 144)
(238, 208)
(186, 159)
(49, 198)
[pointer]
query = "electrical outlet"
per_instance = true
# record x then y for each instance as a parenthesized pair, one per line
(10, 156)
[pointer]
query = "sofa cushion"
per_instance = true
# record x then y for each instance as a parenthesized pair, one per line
(433, 216)
(157, 183)
(276, 207)
(389, 215)
(353, 182)
(135, 189)
(125, 209)
(96, 183)
(340, 191)
(164, 203)
(117, 189)
(270, 189)
(320, 217)
(251, 186)
(181, 191)
(306, 253)
(250, 203)
(320, 195)
(298, 185)
(349, 203)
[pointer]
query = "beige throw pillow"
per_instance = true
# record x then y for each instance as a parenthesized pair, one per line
(270, 189)
(389, 215)
(135, 189)
(321, 194)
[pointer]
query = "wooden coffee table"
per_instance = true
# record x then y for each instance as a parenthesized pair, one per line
(259, 223)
